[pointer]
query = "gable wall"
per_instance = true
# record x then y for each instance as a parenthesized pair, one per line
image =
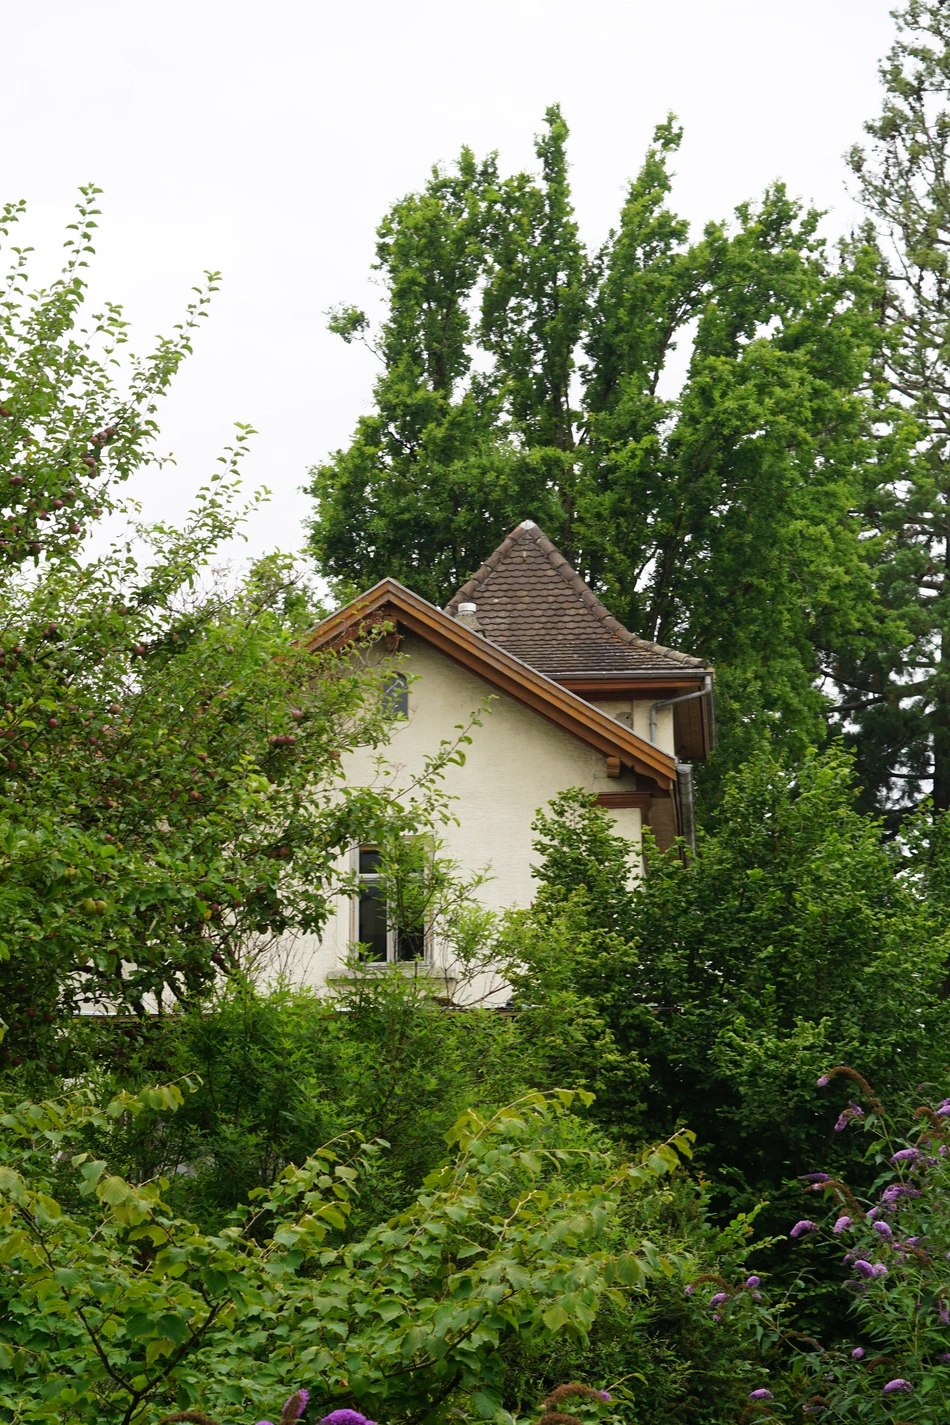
(516, 762)
(635, 714)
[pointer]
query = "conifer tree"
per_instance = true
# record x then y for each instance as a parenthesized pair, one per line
(896, 697)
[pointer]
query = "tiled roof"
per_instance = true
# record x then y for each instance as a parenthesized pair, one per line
(531, 602)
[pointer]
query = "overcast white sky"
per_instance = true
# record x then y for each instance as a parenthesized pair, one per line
(267, 141)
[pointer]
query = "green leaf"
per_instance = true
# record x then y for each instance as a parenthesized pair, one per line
(170, 1325)
(67, 1277)
(412, 1342)
(113, 1190)
(555, 1318)
(631, 1270)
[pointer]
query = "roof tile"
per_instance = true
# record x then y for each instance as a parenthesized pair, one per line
(531, 602)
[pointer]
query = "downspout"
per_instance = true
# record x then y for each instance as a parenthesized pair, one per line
(684, 772)
(684, 796)
(704, 692)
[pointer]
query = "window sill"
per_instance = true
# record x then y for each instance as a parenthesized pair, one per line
(412, 969)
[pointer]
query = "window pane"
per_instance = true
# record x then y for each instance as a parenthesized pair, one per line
(396, 696)
(372, 928)
(370, 862)
(411, 944)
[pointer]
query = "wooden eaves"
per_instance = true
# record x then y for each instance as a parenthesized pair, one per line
(389, 602)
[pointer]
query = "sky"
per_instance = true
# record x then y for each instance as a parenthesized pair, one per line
(266, 141)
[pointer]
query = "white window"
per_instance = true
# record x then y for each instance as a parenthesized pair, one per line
(381, 937)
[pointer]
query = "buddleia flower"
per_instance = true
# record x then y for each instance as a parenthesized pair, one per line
(800, 1228)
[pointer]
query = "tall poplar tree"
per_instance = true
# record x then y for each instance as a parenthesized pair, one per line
(432, 481)
(524, 376)
(727, 520)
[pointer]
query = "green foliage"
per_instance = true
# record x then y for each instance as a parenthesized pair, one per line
(67, 432)
(896, 695)
(167, 760)
(895, 1287)
(794, 935)
(113, 1305)
(171, 795)
(524, 376)
(534, 303)
(663, 1354)
(282, 1071)
(438, 425)
(723, 521)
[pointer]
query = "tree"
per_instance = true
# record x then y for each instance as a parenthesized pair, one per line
(170, 788)
(115, 1306)
(795, 937)
(67, 432)
(723, 520)
(533, 312)
(896, 697)
(430, 483)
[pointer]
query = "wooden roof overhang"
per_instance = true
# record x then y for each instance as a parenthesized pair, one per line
(389, 602)
(646, 684)
(693, 721)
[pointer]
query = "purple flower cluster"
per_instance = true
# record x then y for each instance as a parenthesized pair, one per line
(906, 1155)
(292, 1408)
(869, 1270)
(857, 1353)
(841, 1224)
(346, 1417)
(852, 1111)
(800, 1228)
(762, 1394)
(895, 1387)
(893, 1194)
(720, 1297)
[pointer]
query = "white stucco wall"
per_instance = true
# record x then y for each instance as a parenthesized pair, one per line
(516, 762)
(636, 715)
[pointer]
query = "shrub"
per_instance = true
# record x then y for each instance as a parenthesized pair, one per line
(112, 1305)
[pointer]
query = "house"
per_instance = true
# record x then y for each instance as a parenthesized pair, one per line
(577, 701)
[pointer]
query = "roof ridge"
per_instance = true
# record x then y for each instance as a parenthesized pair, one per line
(492, 562)
(571, 577)
(573, 580)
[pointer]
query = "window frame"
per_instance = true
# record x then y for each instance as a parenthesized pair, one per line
(370, 879)
(396, 698)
